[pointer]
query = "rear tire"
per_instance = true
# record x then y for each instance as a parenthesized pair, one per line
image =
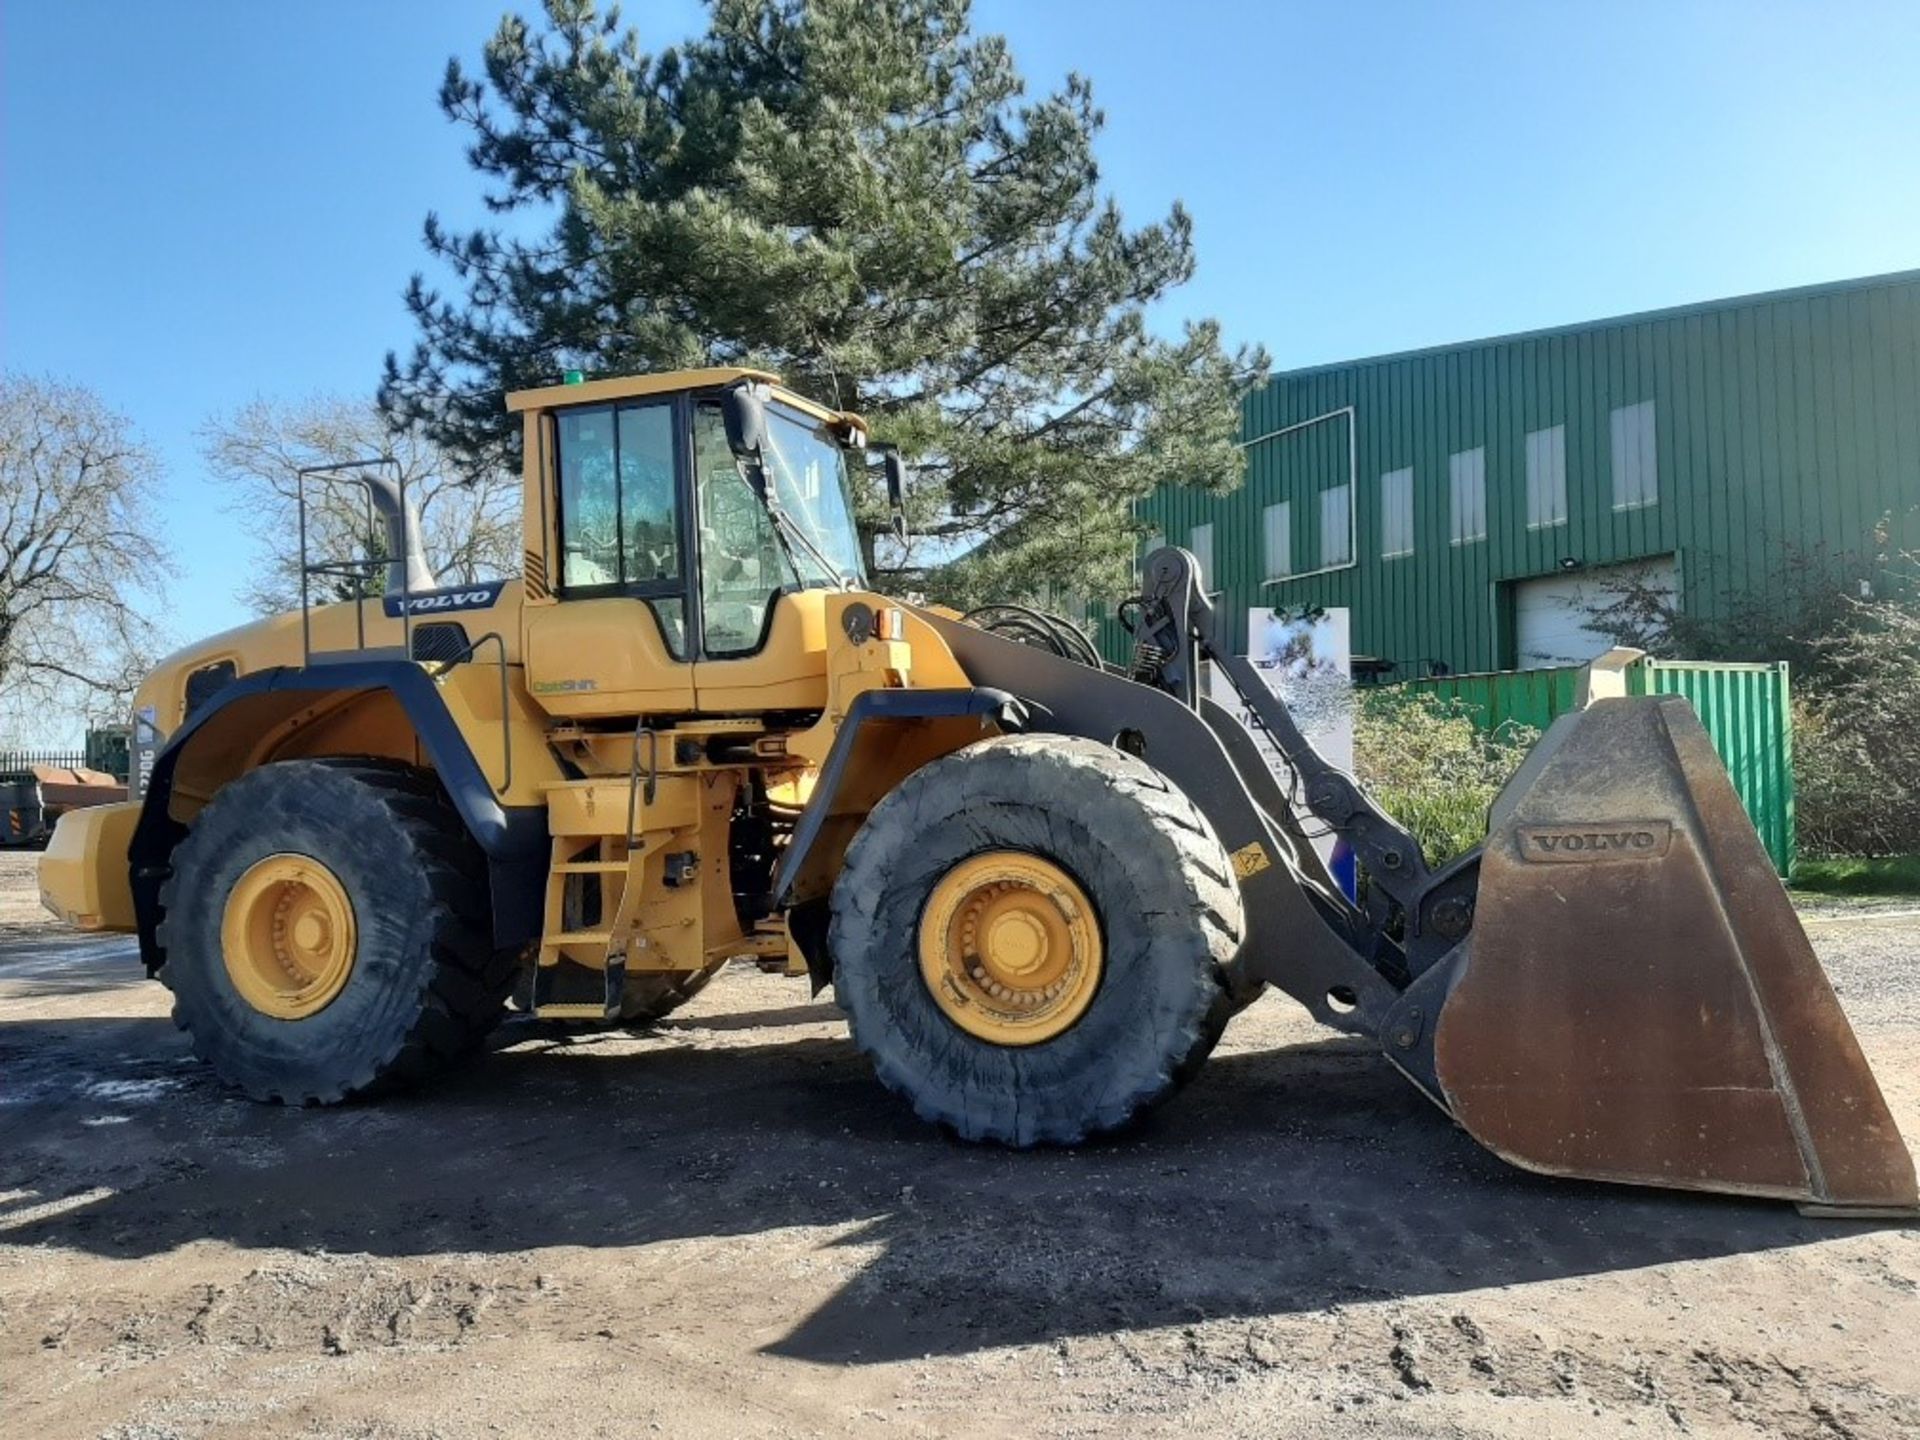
(425, 984)
(1170, 922)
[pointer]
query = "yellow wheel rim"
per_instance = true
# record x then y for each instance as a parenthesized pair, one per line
(288, 936)
(1010, 948)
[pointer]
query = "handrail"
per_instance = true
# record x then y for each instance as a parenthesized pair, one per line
(633, 774)
(339, 473)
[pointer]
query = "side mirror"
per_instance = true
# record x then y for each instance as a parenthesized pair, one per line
(895, 470)
(896, 473)
(745, 415)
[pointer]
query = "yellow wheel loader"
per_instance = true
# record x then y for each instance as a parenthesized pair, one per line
(1039, 885)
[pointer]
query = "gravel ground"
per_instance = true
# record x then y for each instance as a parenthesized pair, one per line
(725, 1226)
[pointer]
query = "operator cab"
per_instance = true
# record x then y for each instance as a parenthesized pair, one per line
(672, 521)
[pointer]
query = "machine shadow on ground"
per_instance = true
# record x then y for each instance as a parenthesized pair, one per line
(1283, 1180)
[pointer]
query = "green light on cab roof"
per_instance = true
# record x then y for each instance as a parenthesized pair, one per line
(573, 377)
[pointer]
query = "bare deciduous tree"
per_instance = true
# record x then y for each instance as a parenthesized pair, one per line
(81, 556)
(470, 530)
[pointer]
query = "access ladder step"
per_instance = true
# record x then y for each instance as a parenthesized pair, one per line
(591, 867)
(577, 937)
(613, 995)
(570, 1010)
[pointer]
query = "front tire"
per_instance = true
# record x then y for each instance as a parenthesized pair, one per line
(985, 857)
(326, 931)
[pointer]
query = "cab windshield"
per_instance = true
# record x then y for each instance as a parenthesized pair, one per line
(808, 472)
(744, 562)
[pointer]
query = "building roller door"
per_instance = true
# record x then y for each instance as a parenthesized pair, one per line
(1551, 613)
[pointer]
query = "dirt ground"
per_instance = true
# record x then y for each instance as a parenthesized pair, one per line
(724, 1226)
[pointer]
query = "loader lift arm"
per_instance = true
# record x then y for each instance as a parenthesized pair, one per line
(1173, 628)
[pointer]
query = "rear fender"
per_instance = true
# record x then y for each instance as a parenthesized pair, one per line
(399, 711)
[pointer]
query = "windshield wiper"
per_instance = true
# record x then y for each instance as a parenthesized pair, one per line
(788, 529)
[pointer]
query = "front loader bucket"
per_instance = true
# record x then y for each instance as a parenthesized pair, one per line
(1638, 1001)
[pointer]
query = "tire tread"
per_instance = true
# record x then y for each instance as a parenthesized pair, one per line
(466, 980)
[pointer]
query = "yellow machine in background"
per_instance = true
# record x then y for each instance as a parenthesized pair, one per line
(689, 731)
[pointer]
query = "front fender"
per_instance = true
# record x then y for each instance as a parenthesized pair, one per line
(869, 758)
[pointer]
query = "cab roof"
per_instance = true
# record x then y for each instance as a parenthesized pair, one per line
(666, 382)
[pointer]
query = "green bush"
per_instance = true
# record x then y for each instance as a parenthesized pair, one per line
(1857, 735)
(1848, 624)
(1425, 760)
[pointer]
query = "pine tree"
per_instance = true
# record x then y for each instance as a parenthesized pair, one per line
(859, 195)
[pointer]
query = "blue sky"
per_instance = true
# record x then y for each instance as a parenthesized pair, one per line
(205, 202)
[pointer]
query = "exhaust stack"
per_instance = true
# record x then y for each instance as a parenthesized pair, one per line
(407, 570)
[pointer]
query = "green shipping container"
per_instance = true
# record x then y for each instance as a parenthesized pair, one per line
(1513, 697)
(1746, 711)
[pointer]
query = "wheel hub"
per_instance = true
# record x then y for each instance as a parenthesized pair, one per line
(1010, 948)
(288, 936)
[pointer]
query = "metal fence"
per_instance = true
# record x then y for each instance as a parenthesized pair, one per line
(21, 759)
(106, 748)
(1744, 709)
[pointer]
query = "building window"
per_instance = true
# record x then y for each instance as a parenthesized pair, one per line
(1336, 526)
(1154, 541)
(1277, 523)
(1396, 514)
(1200, 542)
(1547, 478)
(1467, 480)
(1636, 479)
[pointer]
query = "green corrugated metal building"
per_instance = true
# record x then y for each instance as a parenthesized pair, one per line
(1472, 504)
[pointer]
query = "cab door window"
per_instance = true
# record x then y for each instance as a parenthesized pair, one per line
(647, 495)
(619, 510)
(743, 566)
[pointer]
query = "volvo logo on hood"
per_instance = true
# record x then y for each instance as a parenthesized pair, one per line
(479, 596)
